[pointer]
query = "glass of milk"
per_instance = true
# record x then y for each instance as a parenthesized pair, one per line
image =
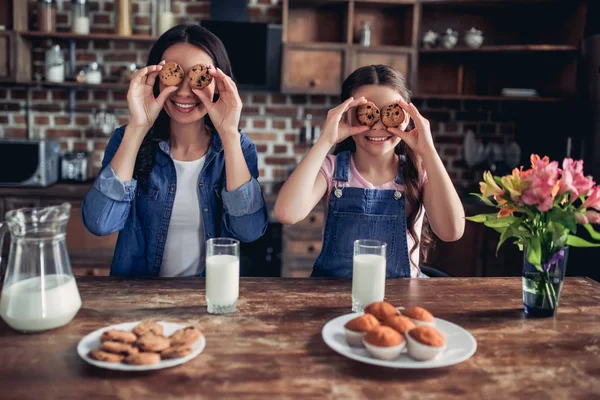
(368, 273)
(222, 275)
(39, 291)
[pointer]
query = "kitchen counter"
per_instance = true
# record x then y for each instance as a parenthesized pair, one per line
(272, 347)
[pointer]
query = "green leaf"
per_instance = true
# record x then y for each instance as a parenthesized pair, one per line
(501, 222)
(570, 223)
(595, 235)
(534, 252)
(485, 200)
(482, 217)
(579, 242)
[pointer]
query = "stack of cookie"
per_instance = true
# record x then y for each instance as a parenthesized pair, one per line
(145, 344)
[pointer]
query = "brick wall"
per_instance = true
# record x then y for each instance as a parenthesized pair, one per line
(272, 120)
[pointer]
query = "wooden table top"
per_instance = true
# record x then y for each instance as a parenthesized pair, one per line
(272, 347)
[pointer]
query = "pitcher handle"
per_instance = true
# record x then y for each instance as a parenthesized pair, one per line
(3, 230)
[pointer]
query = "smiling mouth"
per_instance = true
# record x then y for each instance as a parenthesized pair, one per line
(377, 139)
(185, 105)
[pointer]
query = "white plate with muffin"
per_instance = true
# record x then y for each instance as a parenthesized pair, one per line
(393, 337)
(141, 345)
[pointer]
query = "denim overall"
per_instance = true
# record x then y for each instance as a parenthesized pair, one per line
(356, 213)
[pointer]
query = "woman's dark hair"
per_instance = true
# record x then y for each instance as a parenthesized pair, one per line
(387, 76)
(194, 35)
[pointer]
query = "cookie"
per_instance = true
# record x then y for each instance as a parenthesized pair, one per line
(142, 359)
(199, 77)
(176, 352)
(148, 326)
(171, 74)
(392, 116)
(105, 356)
(152, 342)
(367, 114)
(185, 336)
(114, 335)
(119, 348)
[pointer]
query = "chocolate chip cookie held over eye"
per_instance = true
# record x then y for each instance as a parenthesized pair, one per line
(367, 114)
(199, 76)
(392, 115)
(171, 74)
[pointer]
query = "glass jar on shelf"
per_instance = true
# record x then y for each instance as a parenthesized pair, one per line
(166, 18)
(54, 65)
(46, 13)
(80, 17)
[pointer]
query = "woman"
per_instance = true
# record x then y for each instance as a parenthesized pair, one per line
(179, 172)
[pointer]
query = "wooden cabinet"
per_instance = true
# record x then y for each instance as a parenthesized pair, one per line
(302, 244)
(321, 41)
(314, 69)
(89, 254)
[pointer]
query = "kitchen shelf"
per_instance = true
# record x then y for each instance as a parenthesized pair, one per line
(68, 85)
(527, 48)
(450, 96)
(91, 36)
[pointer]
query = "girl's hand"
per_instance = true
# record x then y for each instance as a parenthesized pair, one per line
(418, 139)
(225, 113)
(336, 127)
(143, 106)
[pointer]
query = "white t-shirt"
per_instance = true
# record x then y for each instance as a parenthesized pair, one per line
(184, 249)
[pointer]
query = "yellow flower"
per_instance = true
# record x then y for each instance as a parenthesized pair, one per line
(514, 184)
(489, 187)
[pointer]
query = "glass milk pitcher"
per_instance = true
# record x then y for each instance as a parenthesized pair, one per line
(39, 291)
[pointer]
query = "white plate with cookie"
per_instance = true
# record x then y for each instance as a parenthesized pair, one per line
(122, 350)
(461, 345)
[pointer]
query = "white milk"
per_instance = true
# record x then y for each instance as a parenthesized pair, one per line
(368, 279)
(36, 305)
(222, 280)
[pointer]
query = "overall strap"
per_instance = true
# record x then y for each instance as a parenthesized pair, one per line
(342, 167)
(400, 175)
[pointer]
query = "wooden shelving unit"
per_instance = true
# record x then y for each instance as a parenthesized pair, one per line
(521, 49)
(91, 36)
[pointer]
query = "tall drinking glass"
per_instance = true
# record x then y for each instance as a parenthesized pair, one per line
(222, 275)
(368, 274)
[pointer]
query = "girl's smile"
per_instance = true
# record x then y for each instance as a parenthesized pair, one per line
(185, 106)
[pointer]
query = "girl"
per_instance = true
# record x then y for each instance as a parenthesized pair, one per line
(376, 182)
(179, 172)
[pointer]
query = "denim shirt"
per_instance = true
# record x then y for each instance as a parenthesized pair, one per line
(141, 212)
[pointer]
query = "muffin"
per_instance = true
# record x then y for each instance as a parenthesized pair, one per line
(399, 323)
(419, 316)
(171, 74)
(381, 310)
(367, 114)
(357, 327)
(384, 343)
(425, 343)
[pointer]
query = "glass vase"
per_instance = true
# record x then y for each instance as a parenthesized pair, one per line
(542, 284)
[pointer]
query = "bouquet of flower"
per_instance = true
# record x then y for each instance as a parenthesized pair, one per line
(540, 207)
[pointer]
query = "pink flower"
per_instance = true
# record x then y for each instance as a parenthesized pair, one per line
(573, 180)
(593, 200)
(580, 218)
(593, 216)
(543, 184)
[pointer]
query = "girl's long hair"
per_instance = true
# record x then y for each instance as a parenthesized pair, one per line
(194, 35)
(387, 76)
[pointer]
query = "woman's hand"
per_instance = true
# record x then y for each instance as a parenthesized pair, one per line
(143, 106)
(336, 127)
(419, 139)
(226, 111)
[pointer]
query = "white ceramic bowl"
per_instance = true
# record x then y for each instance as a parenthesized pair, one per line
(420, 351)
(385, 353)
(354, 339)
(422, 323)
